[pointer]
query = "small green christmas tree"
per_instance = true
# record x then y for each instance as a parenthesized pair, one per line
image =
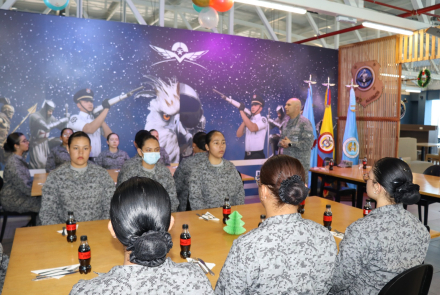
(234, 224)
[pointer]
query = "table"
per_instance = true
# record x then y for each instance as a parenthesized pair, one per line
(424, 145)
(40, 179)
(42, 247)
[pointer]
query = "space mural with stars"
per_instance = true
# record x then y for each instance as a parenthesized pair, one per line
(51, 57)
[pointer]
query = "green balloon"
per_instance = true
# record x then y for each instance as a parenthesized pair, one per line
(197, 8)
(201, 3)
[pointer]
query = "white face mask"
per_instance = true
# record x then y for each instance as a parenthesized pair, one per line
(151, 158)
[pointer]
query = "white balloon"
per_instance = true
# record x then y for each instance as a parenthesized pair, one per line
(208, 18)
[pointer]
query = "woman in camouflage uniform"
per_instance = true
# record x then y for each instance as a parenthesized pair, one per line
(59, 154)
(113, 158)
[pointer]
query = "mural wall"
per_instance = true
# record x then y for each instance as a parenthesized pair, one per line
(168, 79)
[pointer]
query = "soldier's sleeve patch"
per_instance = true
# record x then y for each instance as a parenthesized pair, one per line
(264, 120)
(73, 119)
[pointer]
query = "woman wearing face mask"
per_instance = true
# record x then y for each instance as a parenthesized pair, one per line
(15, 195)
(59, 154)
(113, 158)
(213, 178)
(147, 166)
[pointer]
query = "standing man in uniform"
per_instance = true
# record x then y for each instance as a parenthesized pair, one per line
(6, 114)
(86, 121)
(40, 124)
(297, 137)
(256, 128)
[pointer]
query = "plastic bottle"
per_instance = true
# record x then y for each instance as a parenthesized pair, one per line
(185, 242)
(328, 217)
(71, 227)
(364, 163)
(301, 207)
(367, 207)
(262, 218)
(331, 164)
(84, 256)
(226, 210)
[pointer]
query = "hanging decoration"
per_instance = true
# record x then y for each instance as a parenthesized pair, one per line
(424, 78)
(201, 3)
(208, 18)
(221, 5)
(197, 8)
(208, 11)
(56, 4)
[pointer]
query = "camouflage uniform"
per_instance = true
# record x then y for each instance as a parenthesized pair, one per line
(109, 160)
(160, 173)
(164, 157)
(4, 261)
(58, 156)
(181, 178)
(5, 125)
(209, 185)
(15, 195)
(168, 278)
(300, 132)
(286, 254)
(87, 192)
(377, 248)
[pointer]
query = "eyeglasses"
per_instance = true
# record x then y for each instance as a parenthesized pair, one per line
(257, 177)
(24, 141)
(366, 177)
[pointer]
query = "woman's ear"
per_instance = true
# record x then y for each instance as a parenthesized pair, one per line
(110, 229)
(140, 153)
(171, 223)
(207, 147)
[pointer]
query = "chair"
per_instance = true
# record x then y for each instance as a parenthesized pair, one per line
(339, 190)
(414, 281)
(434, 170)
(408, 152)
(434, 159)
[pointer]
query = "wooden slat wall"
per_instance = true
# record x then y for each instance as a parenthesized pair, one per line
(378, 123)
(419, 46)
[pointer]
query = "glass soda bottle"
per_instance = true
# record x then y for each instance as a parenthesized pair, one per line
(331, 164)
(328, 216)
(226, 210)
(364, 163)
(71, 227)
(262, 218)
(301, 207)
(367, 207)
(84, 256)
(185, 242)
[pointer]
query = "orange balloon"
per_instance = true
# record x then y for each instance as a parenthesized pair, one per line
(221, 5)
(201, 3)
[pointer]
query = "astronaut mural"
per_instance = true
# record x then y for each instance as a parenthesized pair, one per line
(152, 78)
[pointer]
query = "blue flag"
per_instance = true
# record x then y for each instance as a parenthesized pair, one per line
(350, 143)
(308, 113)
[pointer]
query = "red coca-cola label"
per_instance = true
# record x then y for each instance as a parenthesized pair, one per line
(366, 212)
(71, 227)
(84, 255)
(328, 218)
(364, 163)
(303, 202)
(185, 242)
(227, 211)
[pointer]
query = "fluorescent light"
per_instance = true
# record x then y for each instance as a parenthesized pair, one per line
(391, 75)
(272, 5)
(411, 89)
(387, 28)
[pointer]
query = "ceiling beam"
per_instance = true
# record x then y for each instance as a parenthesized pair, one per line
(263, 18)
(315, 28)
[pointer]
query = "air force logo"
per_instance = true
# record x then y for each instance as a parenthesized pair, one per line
(179, 52)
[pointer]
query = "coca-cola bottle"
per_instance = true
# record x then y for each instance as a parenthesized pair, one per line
(185, 242)
(367, 207)
(328, 216)
(84, 256)
(262, 218)
(364, 163)
(226, 210)
(301, 207)
(71, 227)
(331, 164)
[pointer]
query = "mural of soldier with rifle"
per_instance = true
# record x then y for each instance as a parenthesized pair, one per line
(6, 114)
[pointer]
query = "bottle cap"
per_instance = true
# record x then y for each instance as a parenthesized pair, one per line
(83, 238)
(185, 226)
(262, 216)
(226, 199)
(328, 206)
(70, 213)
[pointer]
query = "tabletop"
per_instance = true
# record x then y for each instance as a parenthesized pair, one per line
(42, 247)
(40, 179)
(428, 144)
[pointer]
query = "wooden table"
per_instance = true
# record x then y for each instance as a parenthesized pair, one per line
(40, 179)
(42, 247)
(425, 145)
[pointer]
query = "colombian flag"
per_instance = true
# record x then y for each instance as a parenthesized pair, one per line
(326, 142)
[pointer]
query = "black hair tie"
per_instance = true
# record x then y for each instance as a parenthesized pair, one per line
(150, 249)
(285, 187)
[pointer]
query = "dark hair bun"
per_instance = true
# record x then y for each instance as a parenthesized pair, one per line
(407, 193)
(293, 190)
(150, 249)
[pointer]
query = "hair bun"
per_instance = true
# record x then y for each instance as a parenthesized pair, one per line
(407, 193)
(293, 190)
(150, 249)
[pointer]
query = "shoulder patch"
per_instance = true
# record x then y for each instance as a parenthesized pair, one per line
(264, 120)
(73, 119)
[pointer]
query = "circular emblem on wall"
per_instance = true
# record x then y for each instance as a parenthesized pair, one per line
(365, 78)
(326, 142)
(351, 147)
(402, 109)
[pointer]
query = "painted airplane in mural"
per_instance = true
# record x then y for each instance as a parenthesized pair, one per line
(179, 52)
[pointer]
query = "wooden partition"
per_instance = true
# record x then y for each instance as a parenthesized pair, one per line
(417, 47)
(377, 123)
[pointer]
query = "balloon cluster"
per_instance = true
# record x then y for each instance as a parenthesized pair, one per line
(207, 9)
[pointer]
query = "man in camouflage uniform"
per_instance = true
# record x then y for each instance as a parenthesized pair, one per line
(6, 114)
(297, 137)
(41, 123)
